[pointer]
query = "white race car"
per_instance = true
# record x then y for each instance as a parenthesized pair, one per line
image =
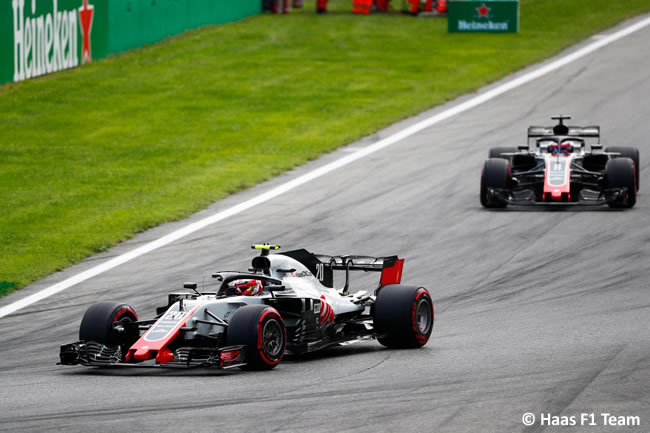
(561, 170)
(285, 303)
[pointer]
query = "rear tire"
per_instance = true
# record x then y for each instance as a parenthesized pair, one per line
(633, 154)
(496, 174)
(496, 152)
(261, 329)
(620, 174)
(403, 316)
(97, 325)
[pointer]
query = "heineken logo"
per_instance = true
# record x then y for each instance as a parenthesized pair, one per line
(484, 26)
(50, 42)
(483, 11)
(86, 12)
(489, 26)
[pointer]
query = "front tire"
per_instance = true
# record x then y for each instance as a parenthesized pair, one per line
(633, 154)
(497, 152)
(496, 174)
(620, 174)
(98, 325)
(261, 329)
(403, 316)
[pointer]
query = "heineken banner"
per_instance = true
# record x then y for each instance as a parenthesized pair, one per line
(497, 16)
(43, 36)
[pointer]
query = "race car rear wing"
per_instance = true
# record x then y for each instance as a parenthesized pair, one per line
(322, 266)
(535, 132)
(390, 267)
(357, 263)
(574, 131)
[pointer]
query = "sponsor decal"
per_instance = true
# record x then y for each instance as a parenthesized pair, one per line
(49, 42)
(489, 26)
(327, 314)
(557, 173)
(165, 325)
(301, 274)
(483, 11)
(86, 12)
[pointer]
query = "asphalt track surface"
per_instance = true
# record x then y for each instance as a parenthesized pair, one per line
(542, 311)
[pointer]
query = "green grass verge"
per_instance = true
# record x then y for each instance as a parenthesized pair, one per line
(91, 156)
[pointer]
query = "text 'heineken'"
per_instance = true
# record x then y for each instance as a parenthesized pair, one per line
(49, 42)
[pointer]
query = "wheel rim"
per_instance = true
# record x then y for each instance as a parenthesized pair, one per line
(423, 316)
(272, 339)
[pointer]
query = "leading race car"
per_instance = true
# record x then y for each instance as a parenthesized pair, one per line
(285, 303)
(561, 170)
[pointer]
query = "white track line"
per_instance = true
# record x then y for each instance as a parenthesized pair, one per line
(316, 173)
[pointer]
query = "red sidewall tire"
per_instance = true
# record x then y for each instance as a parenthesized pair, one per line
(261, 329)
(97, 324)
(403, 316)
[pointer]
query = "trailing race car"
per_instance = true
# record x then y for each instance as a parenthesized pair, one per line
(285, 303)
(561, 170)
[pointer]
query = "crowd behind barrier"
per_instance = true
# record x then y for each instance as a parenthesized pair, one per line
(413, 7)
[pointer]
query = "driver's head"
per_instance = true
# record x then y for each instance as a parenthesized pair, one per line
(245, 287)
(566, 148)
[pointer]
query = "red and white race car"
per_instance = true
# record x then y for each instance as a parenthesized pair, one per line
(285, 303)
(561, 170)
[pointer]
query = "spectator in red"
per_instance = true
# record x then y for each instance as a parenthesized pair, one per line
(281, 6)
(321, 6)
(441, 6)
(415, 6)
(361, 6)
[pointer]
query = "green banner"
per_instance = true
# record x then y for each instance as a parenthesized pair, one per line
(45, 36)
(39, 37)
(496, 16)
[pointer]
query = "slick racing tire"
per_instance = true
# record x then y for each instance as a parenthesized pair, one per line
(496, 152)
(620, 174)
(98, 325)
(403, 316)
(628, 152)
(261, 329)
(496, 174)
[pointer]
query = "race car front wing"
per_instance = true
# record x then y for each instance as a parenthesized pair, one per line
(586, 197)
(92, 354)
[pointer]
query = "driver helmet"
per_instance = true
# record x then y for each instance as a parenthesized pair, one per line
(245, 287)
(566, 148)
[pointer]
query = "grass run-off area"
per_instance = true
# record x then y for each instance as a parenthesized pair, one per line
(91, 156)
